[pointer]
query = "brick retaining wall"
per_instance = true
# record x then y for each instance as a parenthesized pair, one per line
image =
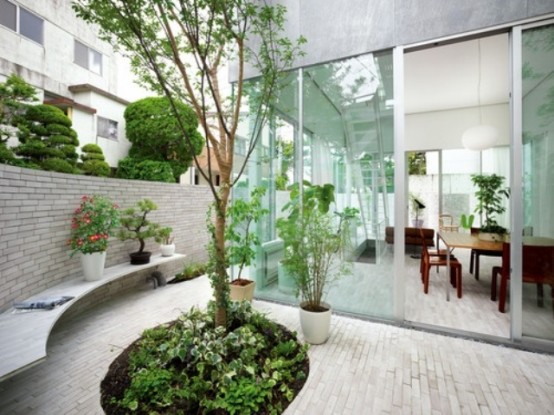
(35, 215)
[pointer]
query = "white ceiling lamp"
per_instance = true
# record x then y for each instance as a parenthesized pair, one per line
(479, 137)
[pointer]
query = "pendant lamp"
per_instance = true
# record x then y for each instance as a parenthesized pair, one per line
(481, 136)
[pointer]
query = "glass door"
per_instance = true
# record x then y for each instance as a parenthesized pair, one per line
(537, 79)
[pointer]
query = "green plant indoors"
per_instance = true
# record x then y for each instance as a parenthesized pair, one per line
(47, 139)
(93, 161)
(242, 214)
(315, 240)
(155, 133)
(489, 200)
(135, 225)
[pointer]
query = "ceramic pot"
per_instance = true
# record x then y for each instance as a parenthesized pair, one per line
(93, 265)
(167, 250)
(140, 258)
(315, 325)
(242, 292)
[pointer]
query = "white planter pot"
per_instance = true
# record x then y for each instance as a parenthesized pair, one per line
(167, 250)
(93, 265)
(315, 325)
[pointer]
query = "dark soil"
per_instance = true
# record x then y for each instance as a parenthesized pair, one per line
(117, 380)
(241, 282)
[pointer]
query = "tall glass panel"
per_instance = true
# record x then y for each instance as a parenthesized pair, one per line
(346, 133)
(348, 142)
(538, 179)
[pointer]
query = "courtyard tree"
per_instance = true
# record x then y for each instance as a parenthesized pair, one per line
(154, 131)
(180, 48)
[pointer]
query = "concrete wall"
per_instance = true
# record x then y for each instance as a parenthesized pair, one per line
(340, 29)
(35, 214)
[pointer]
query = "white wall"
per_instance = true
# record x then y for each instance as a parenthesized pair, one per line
(444, 129)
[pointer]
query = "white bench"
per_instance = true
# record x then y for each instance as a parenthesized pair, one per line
(24, 335)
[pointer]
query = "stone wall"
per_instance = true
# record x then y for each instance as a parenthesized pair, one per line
(35, 215)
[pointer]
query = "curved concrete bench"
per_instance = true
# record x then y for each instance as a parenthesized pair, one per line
(24, 334)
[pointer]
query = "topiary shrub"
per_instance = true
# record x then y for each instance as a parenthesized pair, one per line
(56, 164)
(46, 134)
(158, 171)
(155, 134)
(93, 161)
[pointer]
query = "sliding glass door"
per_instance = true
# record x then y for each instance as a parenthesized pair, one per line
(538, 177)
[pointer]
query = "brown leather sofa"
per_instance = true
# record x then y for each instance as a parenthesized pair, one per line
(412, 236)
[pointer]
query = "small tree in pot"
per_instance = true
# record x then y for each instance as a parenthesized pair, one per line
(489, 203)
(315, 251)
(135, 226)
(242, 214)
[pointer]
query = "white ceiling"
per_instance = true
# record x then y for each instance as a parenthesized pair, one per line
(447, 77)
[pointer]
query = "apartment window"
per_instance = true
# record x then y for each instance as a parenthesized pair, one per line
(88, 58)
(30, 25)
(107, 128)
(8, 14)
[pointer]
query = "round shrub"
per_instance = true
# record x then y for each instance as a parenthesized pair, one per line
(94, 164)
(156, 171)
(96, 168)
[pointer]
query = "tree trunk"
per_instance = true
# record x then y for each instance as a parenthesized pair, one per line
(221, 283)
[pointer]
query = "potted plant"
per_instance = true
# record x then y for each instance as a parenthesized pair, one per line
(489, 196)
(92, 224)
(135, 226)
(165, 239)
(242, 215)
(315, 243)
(417, 207)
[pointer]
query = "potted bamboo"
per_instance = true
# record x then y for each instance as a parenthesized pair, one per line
(316, 243)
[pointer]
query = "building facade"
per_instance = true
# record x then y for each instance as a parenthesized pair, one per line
(70, 67)
(382, 80)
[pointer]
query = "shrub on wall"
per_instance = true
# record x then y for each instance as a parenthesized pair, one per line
(47, 139)
(93, 161)
(157, 171)
(156, 135)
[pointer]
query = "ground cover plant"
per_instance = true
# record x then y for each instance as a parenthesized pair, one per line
(190, 366)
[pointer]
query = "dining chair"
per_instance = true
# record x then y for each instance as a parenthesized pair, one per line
(446, 223)
(476, 253)
(428, 261)
(537, 268)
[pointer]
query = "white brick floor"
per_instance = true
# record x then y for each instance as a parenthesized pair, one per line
(364, 368)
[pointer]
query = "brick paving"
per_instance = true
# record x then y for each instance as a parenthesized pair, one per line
(364, 368)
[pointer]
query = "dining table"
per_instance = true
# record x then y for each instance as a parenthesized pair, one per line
(464, 240)
(471, 241)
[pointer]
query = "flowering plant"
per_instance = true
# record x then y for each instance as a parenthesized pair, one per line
(92, 224)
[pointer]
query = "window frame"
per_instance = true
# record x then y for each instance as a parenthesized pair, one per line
(91, 54)
(103, 130)
(27, 34)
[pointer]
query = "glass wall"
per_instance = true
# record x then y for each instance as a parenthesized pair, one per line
(538, 175)
(344, 130)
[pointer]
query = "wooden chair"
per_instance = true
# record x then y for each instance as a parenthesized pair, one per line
(476, 253)
(428, 261)
(537, 268)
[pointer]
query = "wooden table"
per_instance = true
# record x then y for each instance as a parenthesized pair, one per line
(464, 240)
